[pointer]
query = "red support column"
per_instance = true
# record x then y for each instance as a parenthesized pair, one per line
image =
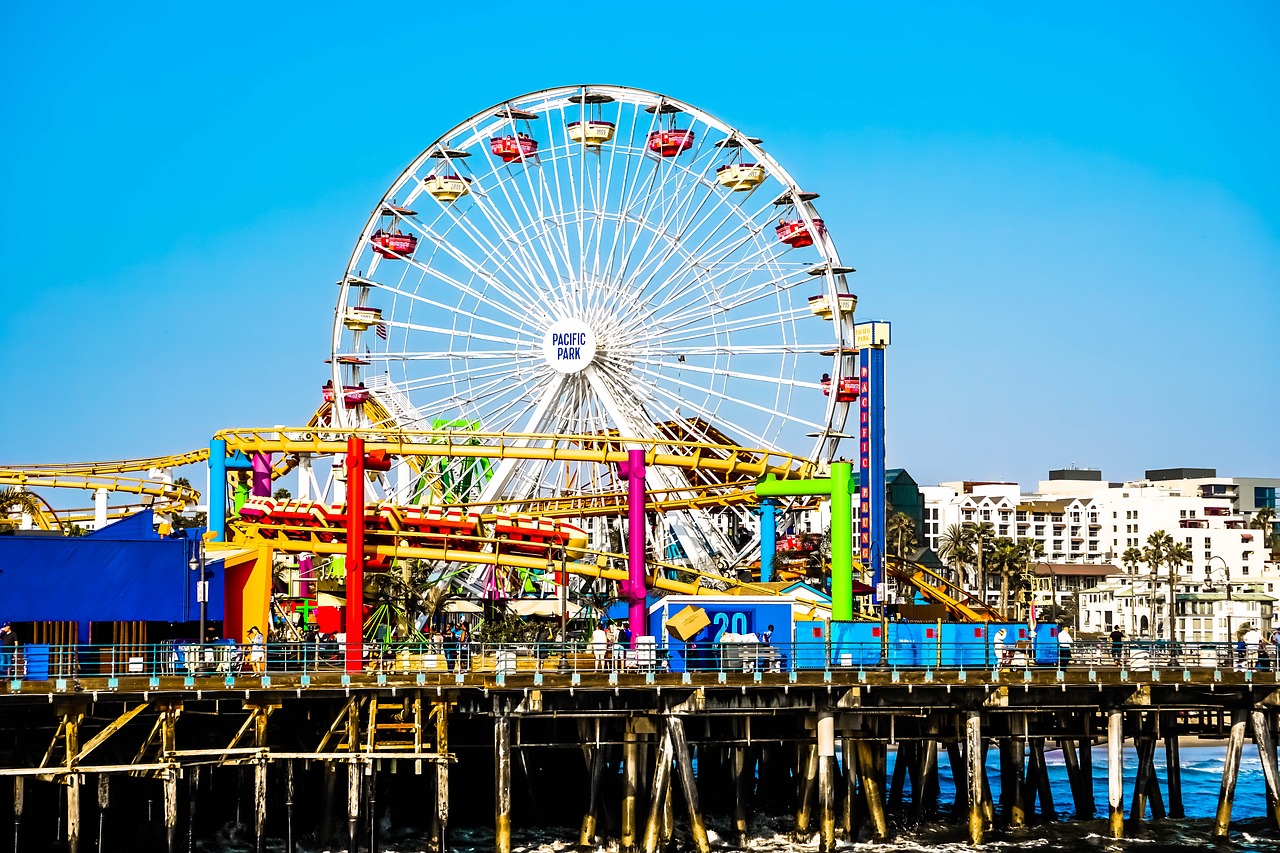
(355, 554)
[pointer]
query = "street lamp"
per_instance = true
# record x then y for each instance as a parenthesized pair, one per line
(1208, 587)
(202, 587)
(1053, 589)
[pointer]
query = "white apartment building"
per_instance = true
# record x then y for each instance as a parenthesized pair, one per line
(1079, 519)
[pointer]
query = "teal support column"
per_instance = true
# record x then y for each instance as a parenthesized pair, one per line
(217, 491)
(768, 538)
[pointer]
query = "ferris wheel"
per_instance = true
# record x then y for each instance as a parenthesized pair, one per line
(596, 261)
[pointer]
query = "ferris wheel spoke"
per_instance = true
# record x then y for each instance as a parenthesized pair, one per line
(746, 403)
(693, 309)
(508, 254)
(454, 309)
(684, 332)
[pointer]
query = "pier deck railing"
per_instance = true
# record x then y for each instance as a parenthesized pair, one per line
(230, 659)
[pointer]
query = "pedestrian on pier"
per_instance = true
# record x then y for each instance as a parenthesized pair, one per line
(599, 645)
(1117, 644)
(450, 646)
(257, 651)
(1252, 640)
(8, 649)
(1064, 646)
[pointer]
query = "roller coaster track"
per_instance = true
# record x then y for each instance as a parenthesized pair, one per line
(935, 587)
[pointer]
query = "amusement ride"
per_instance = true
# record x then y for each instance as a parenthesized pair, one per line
(582, 317)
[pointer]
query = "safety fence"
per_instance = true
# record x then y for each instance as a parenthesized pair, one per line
(227, 658)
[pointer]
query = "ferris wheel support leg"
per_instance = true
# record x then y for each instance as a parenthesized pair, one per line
(355, 554)
(260, 485)
(633, 471)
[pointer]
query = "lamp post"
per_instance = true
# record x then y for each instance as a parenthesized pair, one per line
(202, 587)
(1053, 588)
(1208, 587)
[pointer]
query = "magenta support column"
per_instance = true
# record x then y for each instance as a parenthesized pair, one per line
(304, 575)
(260, 485)
(633, 470)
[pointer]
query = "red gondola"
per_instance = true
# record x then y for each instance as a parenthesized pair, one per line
(327, 391)
(512, 148)
(354, 395)
(846, 392)
(393, 244)
(670, 143)
(794, 233)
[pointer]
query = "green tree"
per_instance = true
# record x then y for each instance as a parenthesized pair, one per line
(901, 529)
(956, 549)
(1176, 556)
(1008, 560)
(983, 533)
(1156, 555)
(1264, 519)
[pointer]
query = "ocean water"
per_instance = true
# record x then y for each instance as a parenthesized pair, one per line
(1201, 780)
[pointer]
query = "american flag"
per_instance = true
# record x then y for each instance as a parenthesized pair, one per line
(381, 330)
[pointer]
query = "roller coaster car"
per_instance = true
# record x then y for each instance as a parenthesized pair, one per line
(393, 244)
(437, 527)
(794, 233)
(796, 543)
(526, 534)
(300, 517)
(512, 148)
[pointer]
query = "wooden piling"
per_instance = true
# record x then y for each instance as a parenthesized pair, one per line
(1072, 759)
(502, 783)
(1115, 772)
(630, 782)
(1267, 756)
(924, 801)
(1043, 788)
(288, 805)
(1086, 768)
(808, 782)
(587, 834)
(850, 811)
(959, 777)
(371, 805)
(260, 781)
(898, 780)
(873, 792)
(739, 767)
(974, 753)
(353, 806)
(1173, 767)
(19, 801)
(442, 806)
(73, 813)
(1017, 777)
(104, 802)
(659, 791)
(1230, 771)
(680, 750)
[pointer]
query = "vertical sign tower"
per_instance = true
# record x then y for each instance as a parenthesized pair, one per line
(871, 339)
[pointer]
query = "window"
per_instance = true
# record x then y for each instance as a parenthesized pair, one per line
(1264, 496)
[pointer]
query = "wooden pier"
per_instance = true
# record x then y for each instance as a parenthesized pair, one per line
(317, 754)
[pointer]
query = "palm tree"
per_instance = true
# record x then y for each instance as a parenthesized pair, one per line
(1032, 553)
(1176, 555)
(902, 531)
(1263, 519)
(982, 535)
(1155, 555)
(956, 548)
(1008, 559)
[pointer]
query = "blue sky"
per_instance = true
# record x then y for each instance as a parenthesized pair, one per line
(1070, 212)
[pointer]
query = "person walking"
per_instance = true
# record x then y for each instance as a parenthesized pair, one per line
(464, 648)
(257, 651)
(8, 650)
(599, 645)
(1252, 640)
(450, 646)
(1117, 644)
(1064, 646)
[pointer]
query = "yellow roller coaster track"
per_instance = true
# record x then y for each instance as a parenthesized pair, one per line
(725, 460)
(945, 592)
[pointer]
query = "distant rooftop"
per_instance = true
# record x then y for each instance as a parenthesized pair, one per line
(1181, 473)
(1091, 474)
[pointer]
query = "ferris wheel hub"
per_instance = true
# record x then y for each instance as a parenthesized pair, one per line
(569, 346)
